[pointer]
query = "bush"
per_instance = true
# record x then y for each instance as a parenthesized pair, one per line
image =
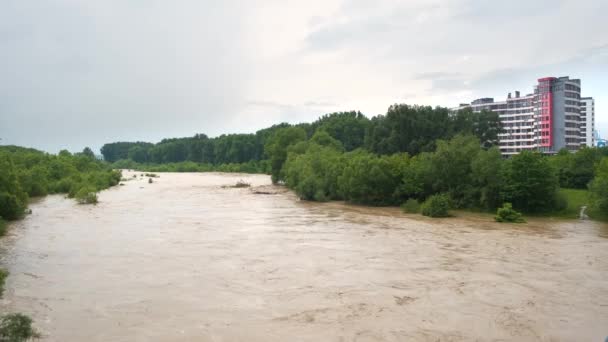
(3, 276)
(411, 206)
(507, 214)
(11, 206)
(599, 188)
(242, 184)
(436, 206)
(86, 195)
(17, 328)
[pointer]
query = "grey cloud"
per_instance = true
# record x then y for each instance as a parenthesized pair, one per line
(101, 71)
(77, 73)
(431, 75)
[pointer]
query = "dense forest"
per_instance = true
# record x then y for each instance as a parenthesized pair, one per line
(410, 153)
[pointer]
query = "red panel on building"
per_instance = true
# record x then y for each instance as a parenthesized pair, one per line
(545, 107)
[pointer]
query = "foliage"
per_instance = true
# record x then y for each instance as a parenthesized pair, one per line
(3, 276)
(17, 328)
(451, 168)
(87, 152)
(188, 166)
(508, 214)
(276, 149)
(371, 179)
(486, 173)
(411, 206)
(415, 129)
(436, 206)
(313, 172)
(529, 182)
(13, 200)
(86, 195)
(404, 128)
(599, 188)
(28, 173)
(576, 170)
(348, 128)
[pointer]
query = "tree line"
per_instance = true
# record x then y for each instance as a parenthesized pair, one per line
(411, 152)
(403, 128)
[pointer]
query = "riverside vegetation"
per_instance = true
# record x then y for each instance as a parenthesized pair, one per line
(26, 173)
(410, 153)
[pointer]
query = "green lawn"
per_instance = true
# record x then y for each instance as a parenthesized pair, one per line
(576, 199)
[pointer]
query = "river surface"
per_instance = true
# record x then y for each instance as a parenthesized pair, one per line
(185, 259)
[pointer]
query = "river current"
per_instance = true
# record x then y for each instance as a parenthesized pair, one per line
(187, 259)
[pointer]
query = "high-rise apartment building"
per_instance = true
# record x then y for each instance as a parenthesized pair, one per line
(587, 121)
(547, 120)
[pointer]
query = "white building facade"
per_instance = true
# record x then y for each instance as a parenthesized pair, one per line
(587, 121)
(547, 120)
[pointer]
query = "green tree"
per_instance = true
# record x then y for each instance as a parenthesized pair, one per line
(87, 152)
(486, 173)
(451, 168)
(485, 125)
(370, 179)
(348, 128)
(314, 174)
(13, 200)
(576, 170)
(530, 183)
(276, 148)
(322, 138)
(418, 178)
(599, 187)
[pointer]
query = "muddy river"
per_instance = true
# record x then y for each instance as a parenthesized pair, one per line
(185, 259)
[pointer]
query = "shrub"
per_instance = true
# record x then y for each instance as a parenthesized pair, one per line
(436, 206)
(411, 206)
(599, 188)
(242, 184)
(3, 276)
(508, 214)
(17, 328)
(150, 181)
(86, 195)
(11, 206)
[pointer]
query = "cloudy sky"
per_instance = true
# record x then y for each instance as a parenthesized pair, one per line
(77, 73)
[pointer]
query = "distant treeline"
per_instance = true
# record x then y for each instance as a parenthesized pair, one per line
(26, 172)
(262, 166)
(404, 128)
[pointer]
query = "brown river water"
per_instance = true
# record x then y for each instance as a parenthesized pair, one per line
(184, 259)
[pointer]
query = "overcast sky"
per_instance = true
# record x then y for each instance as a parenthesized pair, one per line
(76, 73)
